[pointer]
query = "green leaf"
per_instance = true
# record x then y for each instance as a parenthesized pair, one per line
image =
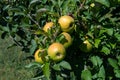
(65, 65)
(102, 31)
(117, 73)
(97, 42)
(47, 71)
(56, 67)
(110, 31)
(33, 46)
(86, 75)
(118, 58)
(33, 2)
(101, 73)
(58, 77)
(113, 45)
(33, 64)
(105, 50)
(96, 60)
(4, 28)
(117, 35)
(104, 2)
(72, 75)
(119, 1)
(113, 63)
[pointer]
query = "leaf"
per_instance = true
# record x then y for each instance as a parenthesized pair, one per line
(4, 28)
(33, 2)
(96, 60)
(47, 71)
(105, 50)
(39, 32)
(33, 64)
(113, 63)
(101, 73)
(65, 65)
(86, 75)
(117, 35)
(56, 67)
(117, 73)
(110, 31)
(41, 10)
(58, 77)
(104, 2)
(97, 42)
(113, 45)
(102, 31)
(72, 75)
(118, 58)
(33, 46)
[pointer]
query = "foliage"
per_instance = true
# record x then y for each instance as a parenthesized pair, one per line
(98, 20)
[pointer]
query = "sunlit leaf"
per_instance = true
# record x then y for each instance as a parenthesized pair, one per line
(47, 71)
(56, 67)
(101, 73)
(33, 46)
(86, 75)
(117, 35)
(33, 64)
(97, 42)
(105, 50)
(65, 65)
(96, 60)
(113, 63)
(104, 2)
(102, 31)
(117, 73)
(110, 31)
(33, 2)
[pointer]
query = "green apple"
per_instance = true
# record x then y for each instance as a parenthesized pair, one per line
(86, 46)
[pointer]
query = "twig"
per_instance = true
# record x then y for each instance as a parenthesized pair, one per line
(34, 21)
(81, 6)
(16, 42)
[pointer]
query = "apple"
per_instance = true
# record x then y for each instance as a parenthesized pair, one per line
(56, 52)
(67, 36)
(86, 46)
(66, 23)
(47, 26)
(40, 56)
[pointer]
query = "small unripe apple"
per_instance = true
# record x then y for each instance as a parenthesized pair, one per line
(56, 52)
(86, 46)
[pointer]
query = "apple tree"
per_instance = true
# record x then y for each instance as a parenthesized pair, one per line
(67, 39)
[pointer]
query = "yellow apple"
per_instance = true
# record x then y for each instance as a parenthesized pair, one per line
(56, 52)
(40, 56)
(66, 23)
(47, 26)
(67, 36)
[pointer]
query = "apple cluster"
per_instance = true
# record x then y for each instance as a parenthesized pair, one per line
(56, 51)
